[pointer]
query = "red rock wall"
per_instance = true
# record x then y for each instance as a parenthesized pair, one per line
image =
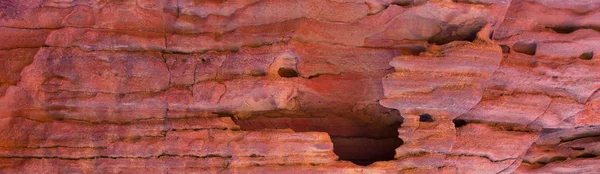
(305, 86)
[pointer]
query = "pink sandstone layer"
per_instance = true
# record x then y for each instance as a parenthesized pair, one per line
(300, 86)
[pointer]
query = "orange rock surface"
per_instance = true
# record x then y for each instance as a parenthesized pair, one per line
(299, 86)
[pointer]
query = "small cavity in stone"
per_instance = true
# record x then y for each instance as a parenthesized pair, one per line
(426, 118)
(578, 148)
(587, 155)
(564, 29)
(505, 49)
(587, 56)
(459, 123)
(287, 72)
(525, 47)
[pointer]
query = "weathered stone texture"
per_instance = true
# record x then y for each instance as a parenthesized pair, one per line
(300, 86)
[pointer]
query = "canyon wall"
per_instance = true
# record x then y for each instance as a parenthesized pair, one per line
(299, 86)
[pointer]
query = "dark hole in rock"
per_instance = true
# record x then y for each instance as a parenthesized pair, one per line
(564, 29)
(360, 142)
(525, 47)
(57, 117)
(451, 32)
(314, 76)
(587, 155)
(505, 49)
(586, 55)
(557, 158)
(426, 118)
(224, 114)
(136, 138)
(597, 28)
(287, 72)
(257, 73)
(471, 2)
(365, 151)
(407, 2)
(459, 122)
(413, 50)
(549, 130)
(578, 148)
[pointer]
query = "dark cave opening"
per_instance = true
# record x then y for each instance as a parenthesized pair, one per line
(459, 123)
(365, 151)
(525, 47)
(426, 118)
(287, 72)
(586, 56)
(355, 141)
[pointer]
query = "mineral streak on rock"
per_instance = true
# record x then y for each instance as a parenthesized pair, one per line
(300, 86)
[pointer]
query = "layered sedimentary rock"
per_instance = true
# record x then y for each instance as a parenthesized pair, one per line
(351, 86)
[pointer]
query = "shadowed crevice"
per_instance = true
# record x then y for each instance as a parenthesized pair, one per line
(355, 141)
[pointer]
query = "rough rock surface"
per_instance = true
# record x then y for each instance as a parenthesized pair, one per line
(300, 86)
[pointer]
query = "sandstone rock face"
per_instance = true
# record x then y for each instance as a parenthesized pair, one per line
(299, 86)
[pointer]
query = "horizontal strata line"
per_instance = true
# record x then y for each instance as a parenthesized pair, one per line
(402, 72)
(133, 30)
(112, 157)
(423, 153)
(567, 157)
(92, 28)
(90, 122)
(166, 34)
(586, 135)
(408, 45)
(395, 95)
(22, 28)
(515, 92)
(15, 48)
(229, 77)
(510, 127)
(484, 156)
(110, 50)
(155, 92)
(52, 147)
(520, 34)
(164, 124)
(369, 138)
(169, 51)
(163, 50)
(140, 157)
